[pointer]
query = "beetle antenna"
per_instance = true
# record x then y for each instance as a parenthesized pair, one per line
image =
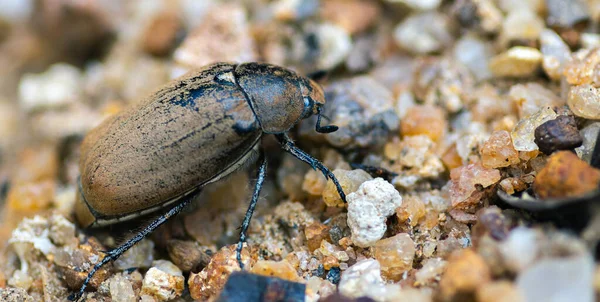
(324, 129)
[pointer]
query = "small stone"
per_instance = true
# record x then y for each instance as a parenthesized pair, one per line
(414, 156)
(362, 279)
(521, 25)
(567, 13)
(498, 151)
(556, 53)
(209, 282)
(584, 101)
(517, 62)
(422, 5)
(350, 182)
(353, 16)
(222, 25)
(491, 221)
(451, 158)
(424, 33)
(558, 279)
(499, 291)
(430, 272)
(58, 86)
(523, 135)
(362, 108)
(315, 233)
(280, 269)
(164, 281)
(187, 255)
(160, 36)
(566, 175)
(520, 249)
(531, 97)
(580, 69)
(589, 134)
(139, 255)
(424, 120)
(11, 294)
(412, 210)
(395, 255)
(334, 45)
(121, 289)
(368, 209)
(464, 181)
(510, 185)
(475, 54)
(558, 134)
(466, 271)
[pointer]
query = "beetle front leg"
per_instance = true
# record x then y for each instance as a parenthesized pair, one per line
(288, 146)
(262, 172)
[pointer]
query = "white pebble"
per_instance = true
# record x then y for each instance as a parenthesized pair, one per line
(164, 281)
(368, 209)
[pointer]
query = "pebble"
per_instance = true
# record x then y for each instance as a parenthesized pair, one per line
(566, 175)
(580, 69)
(529, 98)
(463, 183)
(362, 108)
(280, 269)
(556, 53)
(368, 209)
(523, 135)
(315, 233)
(354, 16)
(499, 291)
(426, 120)
(411, 211)
(520, 249)
(60, 85)
(584, 101)
(475, 54)
(139, 255)
(350, 180)
(498, 151)
(222, 25)
(187, 255)
(414, 156)
(160, 36)
(121, 289)
(422, 5)
(466, 271)
(424, 33)
(521, 25)
(294, 10)
(362, 279)
(242, 286)
(12, 294)
(209, 282)
(395, 255)
(335, 45)
(558, 279)
(431, 271)
(558, 134)
(589, 134)
(518, 62)
(567, 13)
(163, 281)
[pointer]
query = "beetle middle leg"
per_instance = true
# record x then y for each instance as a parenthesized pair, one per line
(288, 146)
(118, 251)
(262, 171)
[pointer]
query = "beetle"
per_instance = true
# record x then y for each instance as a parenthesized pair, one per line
(195, 130)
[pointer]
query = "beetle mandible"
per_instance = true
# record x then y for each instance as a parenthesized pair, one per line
(195, 130)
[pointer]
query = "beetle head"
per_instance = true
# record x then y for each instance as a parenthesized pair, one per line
(279, 97)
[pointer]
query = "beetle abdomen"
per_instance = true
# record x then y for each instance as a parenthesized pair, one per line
(178, 138)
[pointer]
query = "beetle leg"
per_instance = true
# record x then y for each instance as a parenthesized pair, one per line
(288, 146)
(118, 251)
(246, 223)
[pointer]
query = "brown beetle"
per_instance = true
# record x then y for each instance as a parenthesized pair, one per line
(194, 131)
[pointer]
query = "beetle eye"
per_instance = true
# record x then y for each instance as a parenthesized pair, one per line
(308, 107)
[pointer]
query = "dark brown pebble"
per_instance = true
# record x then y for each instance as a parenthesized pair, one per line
(187, 255)
(558, 134)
